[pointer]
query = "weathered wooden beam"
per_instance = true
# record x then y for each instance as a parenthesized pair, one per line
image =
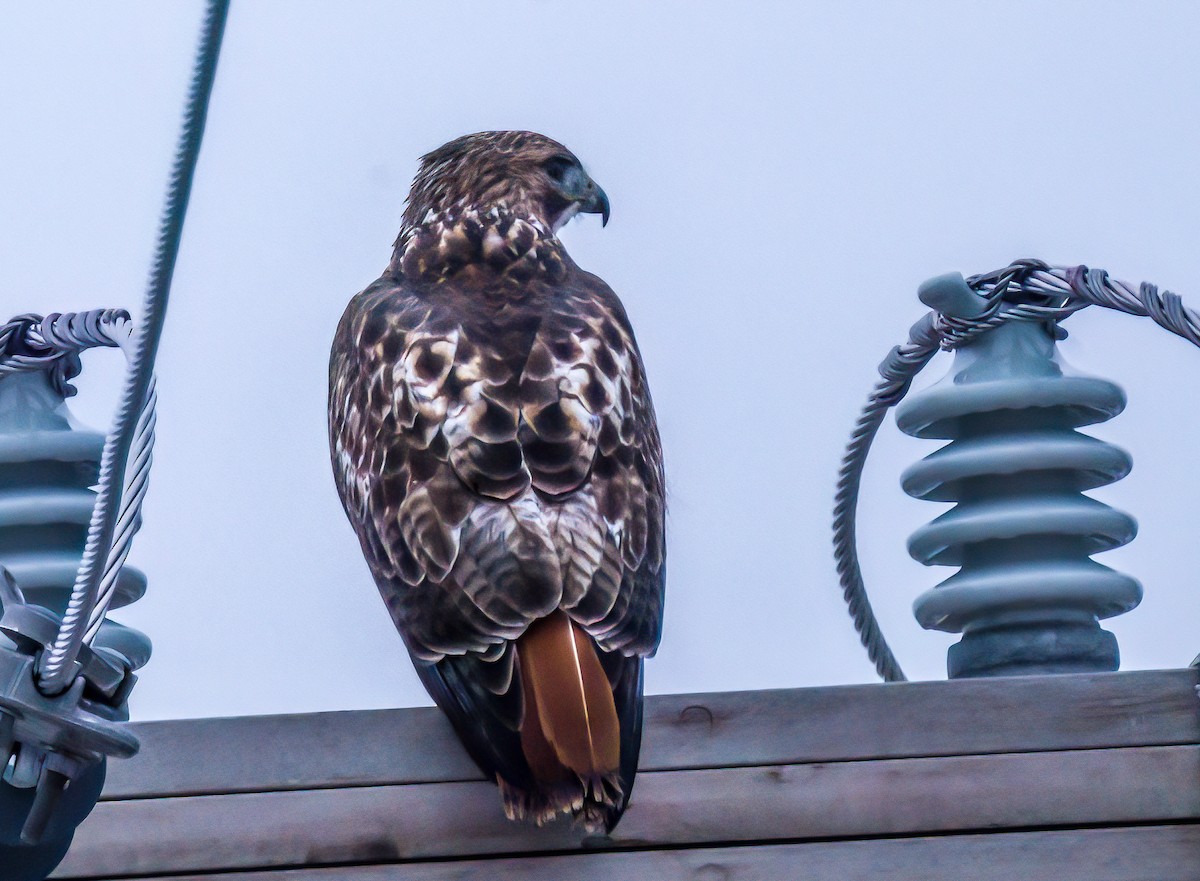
(670, 808)
(840, 723)
(1148, 853)
(849, 777)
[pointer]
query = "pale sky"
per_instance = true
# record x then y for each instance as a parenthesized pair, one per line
(782, 177)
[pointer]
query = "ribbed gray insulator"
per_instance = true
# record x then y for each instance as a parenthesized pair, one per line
(1027, 597)
(48, 464)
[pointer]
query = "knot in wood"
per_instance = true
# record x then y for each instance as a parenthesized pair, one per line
(696, 715)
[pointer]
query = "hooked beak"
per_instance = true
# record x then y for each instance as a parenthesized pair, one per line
(595, 201)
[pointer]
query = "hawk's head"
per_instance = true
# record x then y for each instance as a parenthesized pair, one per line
(524, 173)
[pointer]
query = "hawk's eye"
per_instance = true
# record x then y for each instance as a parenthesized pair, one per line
(558, 167)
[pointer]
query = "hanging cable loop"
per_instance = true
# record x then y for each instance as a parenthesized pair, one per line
(93, 587)
(1026, 290)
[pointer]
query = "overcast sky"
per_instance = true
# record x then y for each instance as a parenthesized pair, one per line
(782, 176)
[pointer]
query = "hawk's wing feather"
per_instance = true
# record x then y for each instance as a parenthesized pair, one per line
(598, 446)
(625, 675)
(487, 723)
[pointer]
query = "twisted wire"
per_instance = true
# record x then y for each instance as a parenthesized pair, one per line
(1026, 290)
(58, 662)
(902, 364)
(53, 343)
(137, 480)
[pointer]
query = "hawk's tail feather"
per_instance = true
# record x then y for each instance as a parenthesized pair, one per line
(570, 719)
(570, 731)
(534, 783)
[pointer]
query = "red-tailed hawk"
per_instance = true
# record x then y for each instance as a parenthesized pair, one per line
(495, 449)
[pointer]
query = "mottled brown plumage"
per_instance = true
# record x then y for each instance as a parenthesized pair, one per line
(495, 448)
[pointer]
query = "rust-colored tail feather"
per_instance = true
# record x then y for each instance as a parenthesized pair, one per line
(570, 731)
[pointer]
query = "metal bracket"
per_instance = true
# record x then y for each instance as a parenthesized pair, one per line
(47, 742)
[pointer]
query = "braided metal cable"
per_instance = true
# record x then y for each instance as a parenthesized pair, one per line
(31, 342)
(902, 364)
(1026, 290)
(137, 480)
(58, 662)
